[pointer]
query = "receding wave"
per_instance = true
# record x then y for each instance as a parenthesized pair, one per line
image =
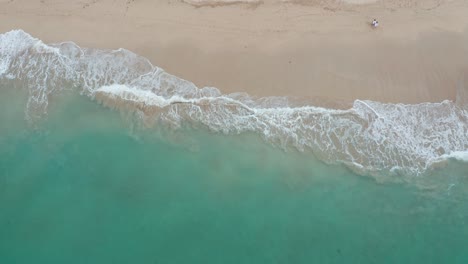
(371, 137)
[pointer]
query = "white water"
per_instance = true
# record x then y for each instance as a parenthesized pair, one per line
(370, 137)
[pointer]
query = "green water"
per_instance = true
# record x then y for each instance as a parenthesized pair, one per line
(80, 186)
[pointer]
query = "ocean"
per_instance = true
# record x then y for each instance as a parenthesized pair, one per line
(105, 158)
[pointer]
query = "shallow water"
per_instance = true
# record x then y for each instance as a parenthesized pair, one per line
(83, 186)
(371, 137)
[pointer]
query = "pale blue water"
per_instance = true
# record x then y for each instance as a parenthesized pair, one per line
(80, 186)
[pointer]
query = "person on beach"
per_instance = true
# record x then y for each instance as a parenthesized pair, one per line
(375, 23)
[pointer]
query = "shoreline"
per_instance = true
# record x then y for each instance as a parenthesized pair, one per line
(274, 49)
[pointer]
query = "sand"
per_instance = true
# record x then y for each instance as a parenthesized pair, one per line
(322, 51)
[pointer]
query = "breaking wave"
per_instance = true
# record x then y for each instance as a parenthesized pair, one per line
(370, 137)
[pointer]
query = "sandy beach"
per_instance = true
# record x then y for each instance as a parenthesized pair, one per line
(322, 51)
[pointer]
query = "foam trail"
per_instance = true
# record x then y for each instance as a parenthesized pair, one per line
(370, 137)
(457, 155)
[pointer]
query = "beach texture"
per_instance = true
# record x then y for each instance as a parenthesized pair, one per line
(320, 50)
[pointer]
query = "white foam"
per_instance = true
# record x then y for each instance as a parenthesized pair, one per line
(457, 155)
(10, 44)
(370, 137)
(137, 96)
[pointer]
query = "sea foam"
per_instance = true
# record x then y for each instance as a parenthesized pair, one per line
(457, 155)
(370, 137)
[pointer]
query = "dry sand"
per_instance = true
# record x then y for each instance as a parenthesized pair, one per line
(320, 50)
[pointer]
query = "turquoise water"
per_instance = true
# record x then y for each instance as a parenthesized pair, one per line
(82, 185)
(172, 173)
